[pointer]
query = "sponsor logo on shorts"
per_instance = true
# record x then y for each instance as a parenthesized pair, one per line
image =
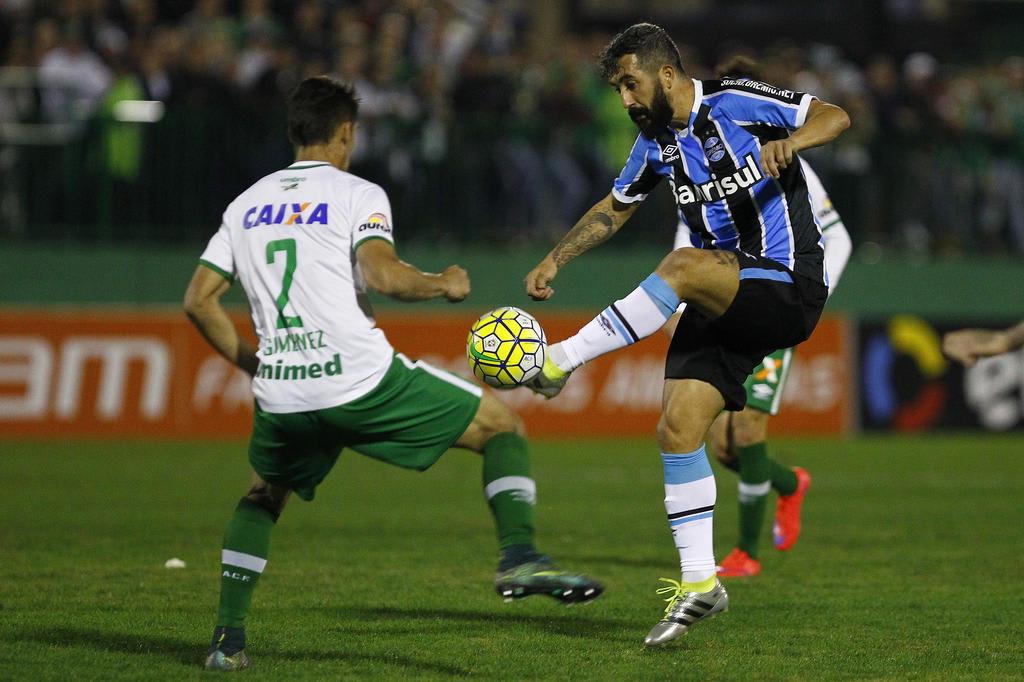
(770, 371)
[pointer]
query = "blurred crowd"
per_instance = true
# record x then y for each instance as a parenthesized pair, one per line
(480, 124)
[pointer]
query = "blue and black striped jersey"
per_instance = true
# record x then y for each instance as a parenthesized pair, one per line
(714, 167)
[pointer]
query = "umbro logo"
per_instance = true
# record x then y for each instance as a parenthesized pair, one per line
(670, 153)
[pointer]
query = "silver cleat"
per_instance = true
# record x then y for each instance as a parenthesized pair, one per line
(218, 660)
(684, 610)
(543, 384)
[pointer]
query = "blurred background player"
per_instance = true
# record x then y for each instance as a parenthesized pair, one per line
(755, 284)
(967, 346)
(739, 438)
(305, 242)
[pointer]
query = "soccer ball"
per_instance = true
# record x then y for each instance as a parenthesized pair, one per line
(505, 347)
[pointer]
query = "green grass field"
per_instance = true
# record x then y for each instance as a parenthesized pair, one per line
(910, 566)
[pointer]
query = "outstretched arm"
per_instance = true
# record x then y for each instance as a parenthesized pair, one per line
(595, 227)
(203, 307)
(387, 273)
(824, 123)
(967, 346)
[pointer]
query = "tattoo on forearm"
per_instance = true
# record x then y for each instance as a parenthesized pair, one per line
(592, 229)
(726, 258)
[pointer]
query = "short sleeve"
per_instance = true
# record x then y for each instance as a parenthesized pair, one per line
(638, 176)
(371, 213)
(751, 102)
(218, 255)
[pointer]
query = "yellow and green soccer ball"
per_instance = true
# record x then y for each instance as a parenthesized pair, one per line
(506, 347)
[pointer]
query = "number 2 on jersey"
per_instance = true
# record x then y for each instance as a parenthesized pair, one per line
(288, 246)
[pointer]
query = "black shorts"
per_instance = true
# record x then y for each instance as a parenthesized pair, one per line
(773, 309)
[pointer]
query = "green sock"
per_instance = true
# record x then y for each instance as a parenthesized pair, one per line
(753, 494)
(783, 478)
(246, 546)
(511, 492)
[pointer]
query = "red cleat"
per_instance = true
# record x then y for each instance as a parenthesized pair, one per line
(786, 528)
(738, 564)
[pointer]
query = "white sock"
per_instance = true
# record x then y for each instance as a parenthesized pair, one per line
(690, 502)
(638, 315)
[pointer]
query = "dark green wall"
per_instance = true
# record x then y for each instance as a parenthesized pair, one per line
(955, 290)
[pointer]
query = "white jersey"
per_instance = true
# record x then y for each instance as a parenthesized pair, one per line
(833, 233)
(291, 239)
(836, 239)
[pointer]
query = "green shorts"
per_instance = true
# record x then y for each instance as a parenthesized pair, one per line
(410, 419)
(766, 383)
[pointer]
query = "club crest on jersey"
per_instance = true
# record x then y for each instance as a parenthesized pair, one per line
(714, 149)
(286, 214)
(720, 188)
(378, 222)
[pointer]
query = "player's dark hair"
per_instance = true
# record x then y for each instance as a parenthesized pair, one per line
(739, 66)
(317, 107)
(651, 45)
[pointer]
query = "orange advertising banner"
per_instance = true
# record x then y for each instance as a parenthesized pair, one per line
(109, 373)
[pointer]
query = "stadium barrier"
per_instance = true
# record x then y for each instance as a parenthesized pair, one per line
(109, 373)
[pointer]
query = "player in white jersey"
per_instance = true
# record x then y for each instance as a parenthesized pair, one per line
(305, 243)
(739, 438)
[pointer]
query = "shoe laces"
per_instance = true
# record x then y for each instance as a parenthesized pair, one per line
(674, 588)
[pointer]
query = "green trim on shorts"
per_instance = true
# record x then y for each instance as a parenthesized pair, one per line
(767, 382)
(411, 418)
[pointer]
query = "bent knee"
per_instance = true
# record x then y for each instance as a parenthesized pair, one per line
(678, 266)
(677, 436)
(270, 497)
(510, 422)
(492, 417)
(719, 442)
(749, 427)
(496, 417)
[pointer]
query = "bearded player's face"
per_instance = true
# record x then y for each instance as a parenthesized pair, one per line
(642, 96)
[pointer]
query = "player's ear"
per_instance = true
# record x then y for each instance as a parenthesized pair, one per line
(666, 74)
(346, 133)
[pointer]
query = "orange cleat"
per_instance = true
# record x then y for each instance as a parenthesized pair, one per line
(738, 564)
(786, 528)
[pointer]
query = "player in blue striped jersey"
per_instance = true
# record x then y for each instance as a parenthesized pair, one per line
(714, 167)
(755, 284)
(740, 438)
